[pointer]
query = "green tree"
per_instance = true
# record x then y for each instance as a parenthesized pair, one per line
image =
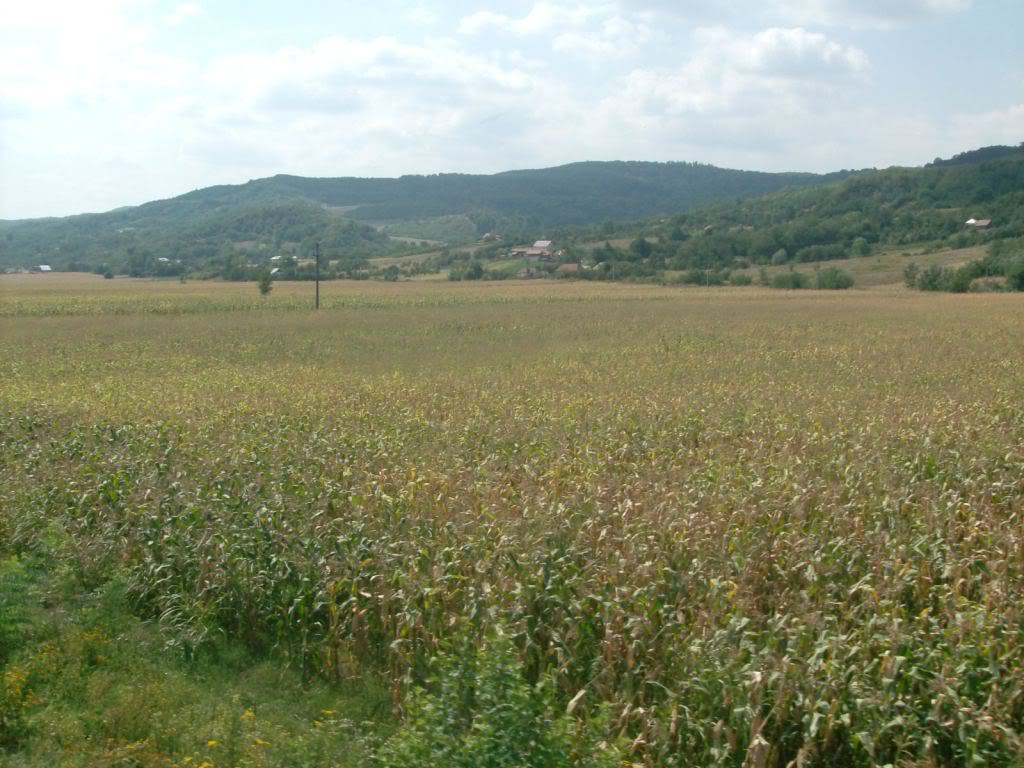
(641, 248)
(677, 234)
(265, 283)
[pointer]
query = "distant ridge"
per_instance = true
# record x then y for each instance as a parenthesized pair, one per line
(355, 216)
(194, 226)
(574, 194)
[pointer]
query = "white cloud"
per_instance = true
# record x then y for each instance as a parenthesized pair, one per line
(772, 70)
(94, 108)
(81, 55)
(598, 30)
(615, 37)
(883, 14)
(183, 13)
(375, 107)
(794, 53)
(481, 21)
(878, 14)
(421, 16)
(1000, 126)
(542, 18)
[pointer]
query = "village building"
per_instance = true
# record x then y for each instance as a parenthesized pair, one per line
(540, 251)
(978, 223)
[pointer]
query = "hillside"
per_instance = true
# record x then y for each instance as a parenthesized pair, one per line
(196, 227)
(692, 218)
(851, 218)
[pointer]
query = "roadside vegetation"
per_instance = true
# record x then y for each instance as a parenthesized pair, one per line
(539, 523)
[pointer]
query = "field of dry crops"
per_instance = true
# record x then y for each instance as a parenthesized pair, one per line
(763, 526)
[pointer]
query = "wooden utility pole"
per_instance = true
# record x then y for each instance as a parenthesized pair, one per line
(317, 276)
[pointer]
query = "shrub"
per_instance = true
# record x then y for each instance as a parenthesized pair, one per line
(790, 280)
(959, 281)
(740, 279)
(910, 274)
(932, 278)
(479, 710)
(1015, 275)
(834, 279)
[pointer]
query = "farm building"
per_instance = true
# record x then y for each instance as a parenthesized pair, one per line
(978, 223)
(541, 249)
(43, 268)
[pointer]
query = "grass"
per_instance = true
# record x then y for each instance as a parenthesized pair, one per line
(91, 685)
(759, 526)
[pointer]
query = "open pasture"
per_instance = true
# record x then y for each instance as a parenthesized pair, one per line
(764, 526)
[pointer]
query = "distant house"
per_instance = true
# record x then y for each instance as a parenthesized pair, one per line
(43, 268)
(540, 250)
(978, 223)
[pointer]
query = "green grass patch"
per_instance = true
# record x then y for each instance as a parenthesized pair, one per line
(89, 685)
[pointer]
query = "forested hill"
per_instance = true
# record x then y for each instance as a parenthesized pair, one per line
(195, 226)
(580, 193)
(895, 206)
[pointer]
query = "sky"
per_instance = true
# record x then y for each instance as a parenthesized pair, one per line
(116, 102)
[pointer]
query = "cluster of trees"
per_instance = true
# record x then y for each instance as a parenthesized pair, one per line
(569, 195)
(1002, 268)
(235, 243)
(827, 279)
(846, 219)
(851, 218)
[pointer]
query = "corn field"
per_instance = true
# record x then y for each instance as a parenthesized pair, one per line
(762, 530)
